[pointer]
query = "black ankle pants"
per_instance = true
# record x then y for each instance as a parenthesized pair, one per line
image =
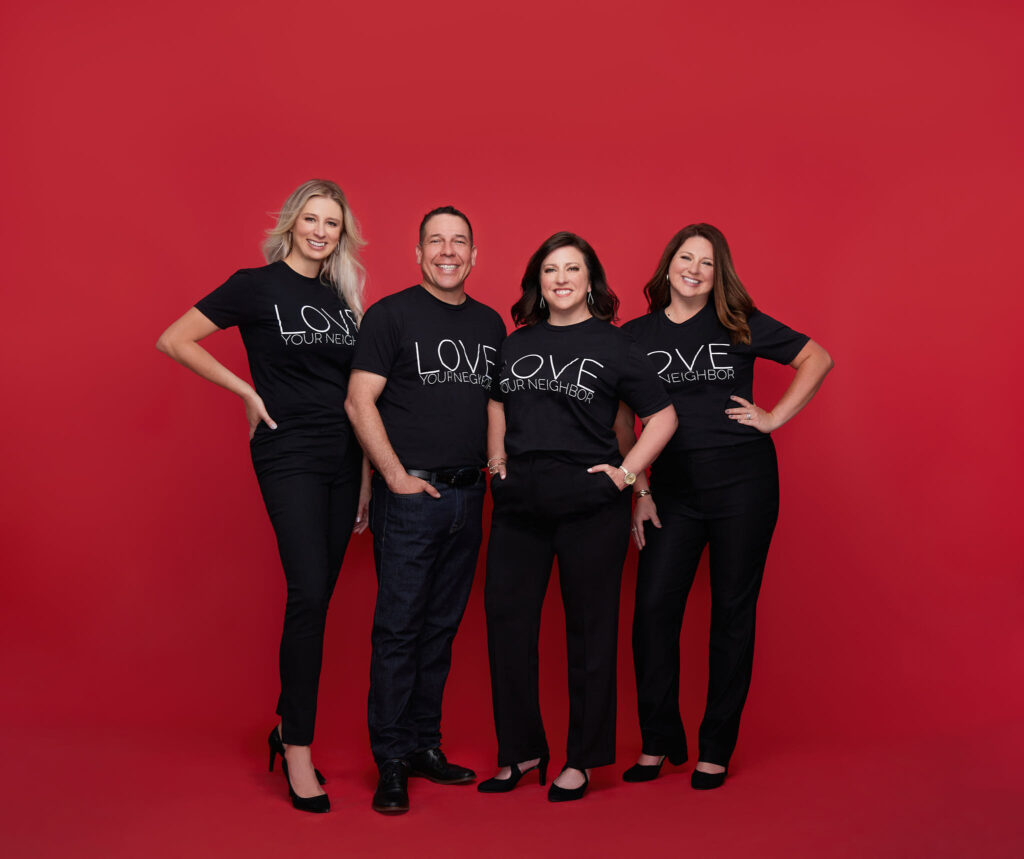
(547, 509)
(310, 485)
(726, 498)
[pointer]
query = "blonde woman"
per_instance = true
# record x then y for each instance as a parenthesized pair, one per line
(298, 317)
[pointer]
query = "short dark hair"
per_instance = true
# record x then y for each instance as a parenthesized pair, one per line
(527, 311)
(445, 210)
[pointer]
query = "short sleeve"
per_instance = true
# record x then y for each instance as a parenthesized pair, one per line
(639, 385)
(231, 303)
(770, 339)
(378, 345)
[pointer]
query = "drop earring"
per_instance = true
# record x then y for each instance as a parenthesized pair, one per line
(590, 298)
(541, 303)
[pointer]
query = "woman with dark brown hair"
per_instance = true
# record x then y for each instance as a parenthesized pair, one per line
(716, 485)
(558, 488)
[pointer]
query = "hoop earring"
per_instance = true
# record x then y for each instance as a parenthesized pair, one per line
(590, 298)
(541, 303)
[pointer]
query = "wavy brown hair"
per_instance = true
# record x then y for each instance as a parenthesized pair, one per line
(733, 303)
(527, 311)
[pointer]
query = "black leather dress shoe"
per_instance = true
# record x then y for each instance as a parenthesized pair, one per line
(392, 794)
(432, 764)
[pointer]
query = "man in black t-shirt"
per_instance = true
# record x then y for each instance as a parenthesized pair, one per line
(417, 399)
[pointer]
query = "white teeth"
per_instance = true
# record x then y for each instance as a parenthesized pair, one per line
(317, 245)
(691, 280)
(447, 267)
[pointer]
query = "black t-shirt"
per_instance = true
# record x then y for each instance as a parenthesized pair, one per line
(438, 360)
(561, 386)
(701, 369)
(299, 336)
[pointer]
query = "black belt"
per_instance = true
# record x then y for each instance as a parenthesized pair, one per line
(466, 476)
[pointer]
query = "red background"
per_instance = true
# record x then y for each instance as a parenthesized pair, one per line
(864, 160)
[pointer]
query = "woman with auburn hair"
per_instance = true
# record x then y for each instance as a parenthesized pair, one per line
(298, 317)
(557, 486)
(716, 485)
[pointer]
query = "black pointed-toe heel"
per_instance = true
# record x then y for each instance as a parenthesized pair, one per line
(504, 785)
(649, 772)
(277, 748)
(319, 804)
(706, 781)
(567, 794)
(643, 772)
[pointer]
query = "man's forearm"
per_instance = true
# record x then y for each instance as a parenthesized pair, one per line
(369, 428)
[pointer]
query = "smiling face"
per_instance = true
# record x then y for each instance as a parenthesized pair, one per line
(446, 256)
(564, 284)
(691, 274)
(315, 235)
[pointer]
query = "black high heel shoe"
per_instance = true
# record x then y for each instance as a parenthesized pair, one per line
(319, 804)
(649, 772)
(643, 772)
(567, 794)
(504, 785)
(707, 781)
(277, 748)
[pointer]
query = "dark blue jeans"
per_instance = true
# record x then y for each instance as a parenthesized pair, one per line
(425, 550)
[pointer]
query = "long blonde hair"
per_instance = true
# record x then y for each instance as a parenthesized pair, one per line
(343, 269)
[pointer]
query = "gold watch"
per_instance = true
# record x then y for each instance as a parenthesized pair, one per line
(630, 478)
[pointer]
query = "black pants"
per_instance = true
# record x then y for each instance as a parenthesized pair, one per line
(726, 498)
(310, 485)
(546, 509)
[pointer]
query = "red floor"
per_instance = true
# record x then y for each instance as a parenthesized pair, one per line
(172, 792)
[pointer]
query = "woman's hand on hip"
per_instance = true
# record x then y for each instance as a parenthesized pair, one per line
(645, 510)
(751, 416)
(256, 413)
(614, 473)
